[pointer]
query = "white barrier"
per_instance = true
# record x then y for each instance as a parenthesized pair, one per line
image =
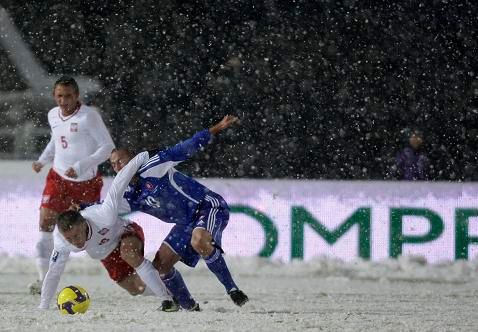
(287, 219)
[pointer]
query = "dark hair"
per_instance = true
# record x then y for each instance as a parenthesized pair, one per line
(66, 220)
(68, 81)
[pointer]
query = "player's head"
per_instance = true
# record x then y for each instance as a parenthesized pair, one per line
(66, 94)
(119, 158)
(73, 227)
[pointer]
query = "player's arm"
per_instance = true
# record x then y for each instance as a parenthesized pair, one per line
(189, 147)
(114, 198)
(186, 149)
(46, 157)
(100, 134)
(58, 261)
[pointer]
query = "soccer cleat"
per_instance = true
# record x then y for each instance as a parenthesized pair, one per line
(238, 297)
(35, 287)
(169, 306)
(195, 307)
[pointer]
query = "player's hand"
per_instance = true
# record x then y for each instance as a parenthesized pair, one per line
(223, 124)
(37, 166)
(71, 173)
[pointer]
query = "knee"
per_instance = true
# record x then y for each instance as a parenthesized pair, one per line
(135, 291)
(201, 243)
(197, 241)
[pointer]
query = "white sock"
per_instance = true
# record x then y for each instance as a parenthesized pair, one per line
(44, 247)
(150, 277)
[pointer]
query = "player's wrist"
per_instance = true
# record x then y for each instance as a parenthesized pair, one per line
(214, 130)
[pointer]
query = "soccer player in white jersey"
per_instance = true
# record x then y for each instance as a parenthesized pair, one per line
(118, 243)
(79, 142)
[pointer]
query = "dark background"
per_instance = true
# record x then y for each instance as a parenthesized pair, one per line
(324, 89)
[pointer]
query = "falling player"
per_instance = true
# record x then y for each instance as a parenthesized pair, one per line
(79, 143)
(117, 242)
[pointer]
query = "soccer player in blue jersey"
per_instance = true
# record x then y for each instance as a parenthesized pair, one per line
(199, 214)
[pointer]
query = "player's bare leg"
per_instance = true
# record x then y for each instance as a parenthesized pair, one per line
(43, 247)
(134, 285)
(164, 262)
(203, 243)
(165, 259)
(132, 252)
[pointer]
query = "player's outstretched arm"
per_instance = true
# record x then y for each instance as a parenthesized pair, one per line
(112, 203)
(52, 278)
(226, 122)
(186, 149)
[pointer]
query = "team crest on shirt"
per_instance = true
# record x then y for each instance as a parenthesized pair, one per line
(103, 231)
(149, 185)
(74, 127)
(45, 199)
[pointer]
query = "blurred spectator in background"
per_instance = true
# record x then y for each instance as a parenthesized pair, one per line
(411, 162)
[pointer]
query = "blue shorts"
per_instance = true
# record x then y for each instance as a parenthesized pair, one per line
(212, 216)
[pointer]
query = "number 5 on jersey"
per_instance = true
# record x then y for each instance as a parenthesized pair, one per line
(64, 142)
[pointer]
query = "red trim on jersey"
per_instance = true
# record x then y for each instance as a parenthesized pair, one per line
(69, 116)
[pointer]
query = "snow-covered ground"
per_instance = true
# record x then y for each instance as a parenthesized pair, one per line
(318, 295)
(313, 295)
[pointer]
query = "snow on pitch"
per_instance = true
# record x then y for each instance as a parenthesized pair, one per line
(394, 295)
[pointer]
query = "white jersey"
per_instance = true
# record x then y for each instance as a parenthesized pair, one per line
(80, 141)
(105, 228)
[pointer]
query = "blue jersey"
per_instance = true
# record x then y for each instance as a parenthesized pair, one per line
(160, 190)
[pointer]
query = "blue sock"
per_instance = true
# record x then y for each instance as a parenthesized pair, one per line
(216, 263)
(175, 284)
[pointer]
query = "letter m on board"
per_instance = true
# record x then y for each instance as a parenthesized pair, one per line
(301, 217)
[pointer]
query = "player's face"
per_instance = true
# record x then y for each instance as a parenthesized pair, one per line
(118, 160)
(77, 235)
(66, 98)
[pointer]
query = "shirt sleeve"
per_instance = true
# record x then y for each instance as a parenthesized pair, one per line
(49, 153)
(58, 261)
(100, 134)
(114, 198)
(180, 152)
(123, 207)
